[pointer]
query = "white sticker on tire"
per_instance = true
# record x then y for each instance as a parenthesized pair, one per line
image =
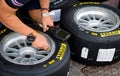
(84, 53)
(55, 14)
(105, 55)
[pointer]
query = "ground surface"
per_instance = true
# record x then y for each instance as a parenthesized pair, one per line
(77, 69)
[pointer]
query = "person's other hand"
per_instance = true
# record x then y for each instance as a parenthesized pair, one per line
(40, 42)
(46, 22)
(114, 3)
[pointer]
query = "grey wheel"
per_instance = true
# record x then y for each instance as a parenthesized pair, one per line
(96, 19)
(17, 50)
(19, 58)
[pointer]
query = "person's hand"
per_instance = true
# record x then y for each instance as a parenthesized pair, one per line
(46, 22)
(114, 3)
(40, 42)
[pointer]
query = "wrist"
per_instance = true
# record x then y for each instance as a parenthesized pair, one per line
(32, 36)
(44, 9)
(45, 14)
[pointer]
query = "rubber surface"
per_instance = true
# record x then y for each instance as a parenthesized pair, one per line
(92, 43)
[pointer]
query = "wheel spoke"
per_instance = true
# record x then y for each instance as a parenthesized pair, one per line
(108, 25)
(85, 24)
(25, 43)
(18, 59)
(106, 21)
(9, 49)
(18, 45)
(88, 17)
(89, 27)
(40, 56)
(42, 52)
(103, 28)
(101, 19)
(93, 16)
(12, 54)
(33, 60)
(83, 20)
(25, 61)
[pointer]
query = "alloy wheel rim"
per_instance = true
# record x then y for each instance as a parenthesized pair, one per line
(96, 19)
(17, 50)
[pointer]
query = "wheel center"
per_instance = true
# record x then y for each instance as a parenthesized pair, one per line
(27, 56)
(94, 24)
(27, 52)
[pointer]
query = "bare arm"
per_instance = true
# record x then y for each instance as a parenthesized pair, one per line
(44, 3)
(11, 21)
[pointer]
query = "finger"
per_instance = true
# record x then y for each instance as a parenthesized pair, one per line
(45, 46)
(51, 24)
(36, 47)
(44, 27)
(49, 48)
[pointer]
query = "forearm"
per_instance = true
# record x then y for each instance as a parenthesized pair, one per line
(44, 3)
(13, 23)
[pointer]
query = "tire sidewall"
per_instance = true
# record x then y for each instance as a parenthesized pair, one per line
(44, 68)
(62, 4)
(88, 40)
(68, 22)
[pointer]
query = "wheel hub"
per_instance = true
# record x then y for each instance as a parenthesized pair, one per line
(27, 52)
(94, 24)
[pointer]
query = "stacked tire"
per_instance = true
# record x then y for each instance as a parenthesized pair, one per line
(95, 31)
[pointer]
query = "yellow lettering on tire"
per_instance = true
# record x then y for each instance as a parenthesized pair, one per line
(89, 3)
(111, 33)
(51, 62)
(61, 52)
(3, 31)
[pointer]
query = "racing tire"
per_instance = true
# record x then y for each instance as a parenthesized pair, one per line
(61, 4)
(16, 61)
(92, 0)
(93, 42)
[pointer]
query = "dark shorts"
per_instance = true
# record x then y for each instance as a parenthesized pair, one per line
(33, 4)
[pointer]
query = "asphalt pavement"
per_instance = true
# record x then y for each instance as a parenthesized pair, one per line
(77, 69)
